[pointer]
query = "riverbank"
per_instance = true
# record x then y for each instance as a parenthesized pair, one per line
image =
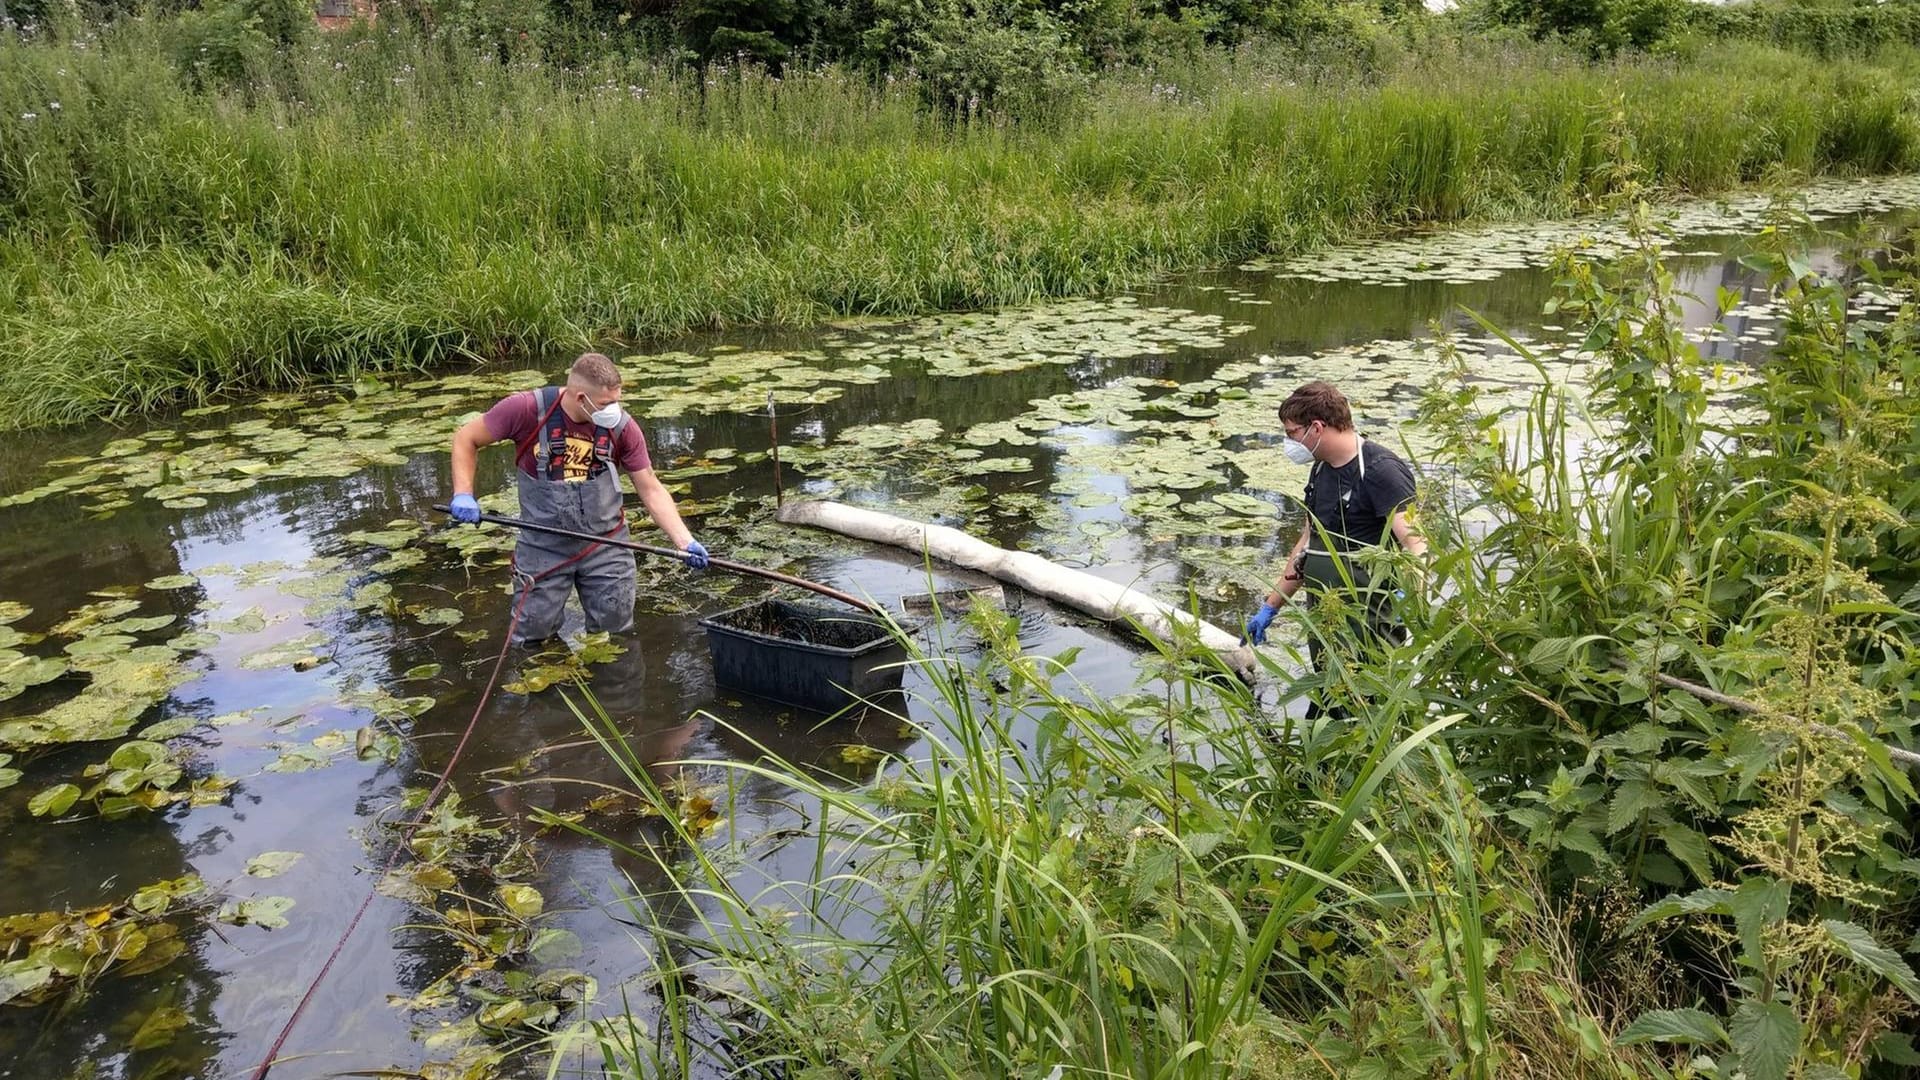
(381, 202)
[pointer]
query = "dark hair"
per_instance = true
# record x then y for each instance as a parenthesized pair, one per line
(1317, 400)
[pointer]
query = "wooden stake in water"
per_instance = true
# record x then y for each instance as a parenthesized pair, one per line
(773, 436)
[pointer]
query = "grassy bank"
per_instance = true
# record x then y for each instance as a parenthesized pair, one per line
(379, 201)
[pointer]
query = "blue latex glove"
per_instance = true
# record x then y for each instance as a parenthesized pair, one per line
(697, 557)
(1257, 626)
(464, 509)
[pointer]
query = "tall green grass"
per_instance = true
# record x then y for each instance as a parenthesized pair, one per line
(378, 201)
(1175, 883)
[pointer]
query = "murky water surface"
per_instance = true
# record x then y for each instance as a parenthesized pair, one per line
(260, 599)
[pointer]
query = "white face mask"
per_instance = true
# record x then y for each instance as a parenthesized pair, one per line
(1297, 452)
(606, 416)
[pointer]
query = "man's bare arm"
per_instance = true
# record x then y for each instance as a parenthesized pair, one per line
(467, 442)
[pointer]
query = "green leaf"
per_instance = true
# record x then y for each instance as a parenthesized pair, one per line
(1691, 848)
(444, 616)
(271, 863)
(1895, 1048)
(54, 801)
(1700, 901)
(266, 912)
(1578, 838)
(1674, 1026)
(553, 945)
(1766, 1037)
(1552, 655)
(160, 1028)
(523, 900)
(1855, 943)
(1630, 800)
(1756, 904)
(22, 977)
(137, 754)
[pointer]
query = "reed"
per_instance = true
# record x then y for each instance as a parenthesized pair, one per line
(380, 202)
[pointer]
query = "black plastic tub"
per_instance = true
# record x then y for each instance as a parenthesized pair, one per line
(816, 658)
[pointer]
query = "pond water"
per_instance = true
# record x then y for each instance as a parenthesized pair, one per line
(251, 627)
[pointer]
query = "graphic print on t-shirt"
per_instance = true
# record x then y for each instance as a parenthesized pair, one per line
(577, 460)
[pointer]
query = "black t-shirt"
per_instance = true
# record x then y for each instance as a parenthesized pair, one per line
(1356, 501)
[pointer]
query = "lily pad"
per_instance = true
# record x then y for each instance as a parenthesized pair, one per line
(443, 616)
(54, 801)
(173, 581)
(272, 863)
(524, 901)
(265, 912)
(12, 611)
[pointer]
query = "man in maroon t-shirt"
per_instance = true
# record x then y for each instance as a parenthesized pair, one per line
(573, 442)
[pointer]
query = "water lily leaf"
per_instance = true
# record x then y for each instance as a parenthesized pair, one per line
(93, 614)
(405, 559)
(169, 729)
(298, 759)
(20, 672)
(389, 538)
(524, 901)
(418, 884)
(173, 581)
(137, 754)
(133, 626)
(54, 801)
(160, 1028)
(12, 611)
(250, 621)
(421, 671)
(19, 978)
(444, 616)
(266, 912)
(298, 654)
(861, 755)
(8, 777)
(552, 945)
(156, 898)
(272, 863)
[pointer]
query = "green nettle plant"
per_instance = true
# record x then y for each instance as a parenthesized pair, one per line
(1679, 636)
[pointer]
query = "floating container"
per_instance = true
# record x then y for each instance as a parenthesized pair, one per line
(817, 658)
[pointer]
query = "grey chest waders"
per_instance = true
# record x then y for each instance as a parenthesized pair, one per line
(605, 577)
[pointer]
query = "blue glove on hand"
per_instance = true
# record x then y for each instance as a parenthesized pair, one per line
(464, 509)
(1257, 626)
(697, 557)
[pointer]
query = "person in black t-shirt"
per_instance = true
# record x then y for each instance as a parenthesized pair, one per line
(1358, 493)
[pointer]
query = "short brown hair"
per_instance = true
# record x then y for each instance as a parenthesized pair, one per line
(1317, 400)
(595, 370)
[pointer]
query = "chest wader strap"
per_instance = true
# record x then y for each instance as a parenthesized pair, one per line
(539, 429)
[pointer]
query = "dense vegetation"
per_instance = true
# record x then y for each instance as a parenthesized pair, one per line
(383, 196)
(1624, 806)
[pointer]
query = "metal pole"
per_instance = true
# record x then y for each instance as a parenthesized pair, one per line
(671, 553)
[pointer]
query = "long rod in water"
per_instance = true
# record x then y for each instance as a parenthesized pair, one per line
(719, 564)
(773, 439)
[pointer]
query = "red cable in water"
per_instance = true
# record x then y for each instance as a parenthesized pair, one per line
(513, 624)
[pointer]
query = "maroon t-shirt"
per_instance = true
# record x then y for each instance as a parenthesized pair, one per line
(517, 419)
